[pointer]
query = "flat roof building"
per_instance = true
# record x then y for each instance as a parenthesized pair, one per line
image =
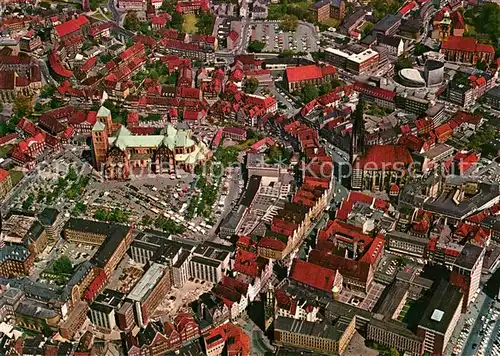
(319, 337)
(440, 318)
(149, 292)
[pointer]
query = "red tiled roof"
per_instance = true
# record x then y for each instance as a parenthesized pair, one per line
(374, 251)
(412, 142)
(57, 66)
(234, 130)
(246, 263)
(443, 130)
(466, 44)
(407, 8)
(100, 28)
(67, 133)
(132, 117)
(312, 275)
(7, 138)
(265, 141)
(71, 26)
(237, 342)
(89, 64)
(338, 230)
(385, 157)
(458, 20)
(348, 203)
(272, 244)
(142, 131)
(309, 72)
(374, 91)
(359, 270)
(27, 126)
(3, 174)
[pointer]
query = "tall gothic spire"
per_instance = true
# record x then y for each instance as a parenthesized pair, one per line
(358, 132)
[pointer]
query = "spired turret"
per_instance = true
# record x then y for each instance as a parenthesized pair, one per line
(336, 293)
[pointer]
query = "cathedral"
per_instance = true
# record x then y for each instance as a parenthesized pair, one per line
(119, 154)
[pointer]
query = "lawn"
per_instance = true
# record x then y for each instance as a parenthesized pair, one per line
(99, 16)
(331, 22)
(15, 176)
(4, 150)
(189, 24)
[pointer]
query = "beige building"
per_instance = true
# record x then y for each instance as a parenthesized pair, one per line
(319, 337)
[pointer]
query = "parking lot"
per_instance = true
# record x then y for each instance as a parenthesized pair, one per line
(302, 40)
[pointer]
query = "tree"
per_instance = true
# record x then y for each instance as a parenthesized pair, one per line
(48, 90)
(205, 23)
(286, 53)
(289, 23)
(177, 21)
(404, 62)
(256, 46)
(488, 21)
(367, 28)
(168, 6)
(325, 88)
(71, 173)
(101, 214)
(251, 85)
(482, 65)
(146, 220)
(131, 22)
(22, 106)
(62, 266)
(309, 92)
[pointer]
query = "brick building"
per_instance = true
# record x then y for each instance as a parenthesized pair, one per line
(296, 77)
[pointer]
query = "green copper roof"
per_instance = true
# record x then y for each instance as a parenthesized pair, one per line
(122, 131)
(98, 126)
(103, 112)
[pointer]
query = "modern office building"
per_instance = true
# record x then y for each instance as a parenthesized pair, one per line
(149, 292)
(440, 318)
(209, 261)
(466, 272)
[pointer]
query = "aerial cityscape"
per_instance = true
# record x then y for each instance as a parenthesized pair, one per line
(250, 177)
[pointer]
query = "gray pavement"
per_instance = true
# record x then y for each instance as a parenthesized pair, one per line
(302, 40)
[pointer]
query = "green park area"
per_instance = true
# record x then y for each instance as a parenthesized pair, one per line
(16, 176)
(189, 24)
(4, 150)
(301, 9)
(483, 22)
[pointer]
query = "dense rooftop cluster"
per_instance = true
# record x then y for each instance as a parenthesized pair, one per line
(197, 177)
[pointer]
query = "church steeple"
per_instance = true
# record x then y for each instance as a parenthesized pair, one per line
(269, 308)
(358, 132)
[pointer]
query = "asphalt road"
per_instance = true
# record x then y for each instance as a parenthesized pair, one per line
(474, 337)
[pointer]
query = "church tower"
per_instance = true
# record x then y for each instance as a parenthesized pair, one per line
(269, 308)
(445, 27)
(104, 116)
(358, 133)
(100, 144)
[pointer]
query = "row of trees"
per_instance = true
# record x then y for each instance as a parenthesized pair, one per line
(168, 225)
(113, 215)
(309, 92)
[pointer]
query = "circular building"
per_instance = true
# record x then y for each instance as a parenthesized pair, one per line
(411, 78)
(433, 72)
